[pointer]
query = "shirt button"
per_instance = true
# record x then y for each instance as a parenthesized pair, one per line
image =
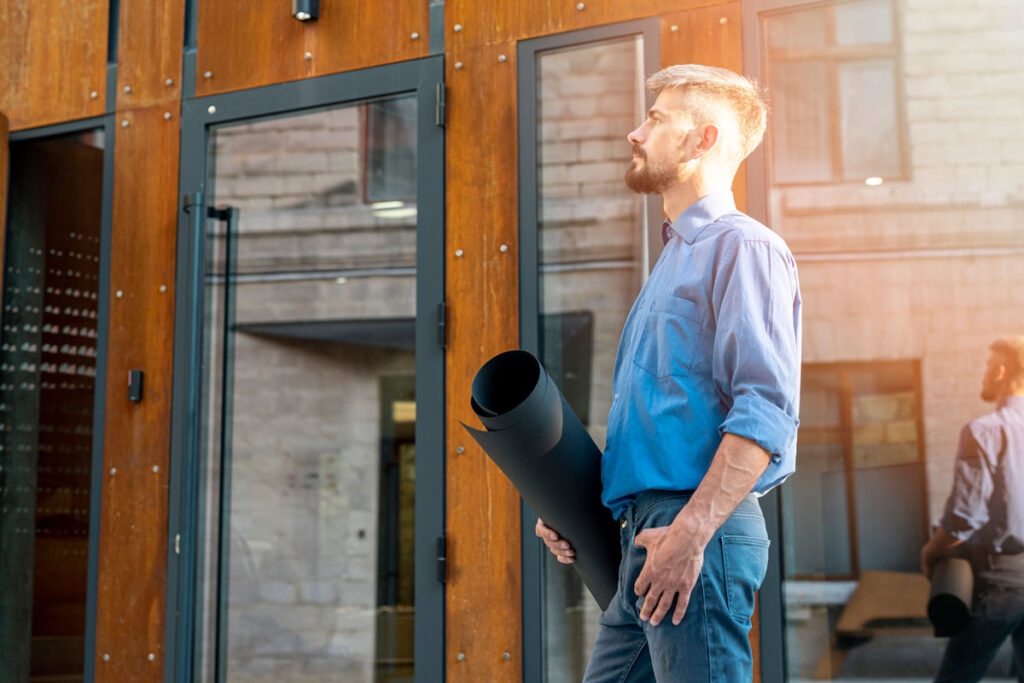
(616, 396)
(623, 524)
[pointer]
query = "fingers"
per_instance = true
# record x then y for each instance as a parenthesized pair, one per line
(558, 546)
(643, 583)
(664, 604)
(681, 604)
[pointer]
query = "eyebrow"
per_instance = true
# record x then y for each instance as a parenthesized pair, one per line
(659, 112)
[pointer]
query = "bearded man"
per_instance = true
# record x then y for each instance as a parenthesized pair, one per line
(984, 521)
(705, 397)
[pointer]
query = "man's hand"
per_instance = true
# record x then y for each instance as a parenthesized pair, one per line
(670, 572)
(940, 542)
(558, 546)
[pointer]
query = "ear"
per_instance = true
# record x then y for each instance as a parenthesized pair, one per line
(708, 140)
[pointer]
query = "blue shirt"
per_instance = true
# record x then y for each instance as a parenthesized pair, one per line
(986, 506)
(711, 345)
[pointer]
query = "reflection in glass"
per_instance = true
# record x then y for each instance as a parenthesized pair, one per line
(831, 71)
(309, 399)
(591, 264)
(47, 385)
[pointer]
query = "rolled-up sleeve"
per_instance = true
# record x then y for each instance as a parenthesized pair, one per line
(756, 358)
(967, 506)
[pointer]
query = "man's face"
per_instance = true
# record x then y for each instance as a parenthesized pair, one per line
(660, 146)
(993, 386)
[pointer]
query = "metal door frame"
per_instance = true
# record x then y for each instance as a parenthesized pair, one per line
(106, 124)
(425, 79)
(534, 626)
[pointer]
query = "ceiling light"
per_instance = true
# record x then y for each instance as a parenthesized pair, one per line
(873, 181)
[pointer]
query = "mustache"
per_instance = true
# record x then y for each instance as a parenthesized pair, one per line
(639, 152)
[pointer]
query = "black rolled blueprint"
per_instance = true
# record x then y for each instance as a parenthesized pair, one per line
(542, 447)
(949, 604)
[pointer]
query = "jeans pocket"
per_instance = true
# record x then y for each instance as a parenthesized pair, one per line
(744, 562)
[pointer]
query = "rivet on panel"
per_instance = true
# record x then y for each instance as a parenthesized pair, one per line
(156, 468)
(580, 6)
(167, 116)
(506, 656)
(151, 657)
(458, 65)
(675, 28)
(458, 253)
(113, 471)
(163, 288)
(723, 20)
(461, 656)
(208, 74)
(309, 56)
(503, 248)
(460, 450)
(169, 82)
(458, 28)
(120, 294)
(124, 124)
(211, 109)
(128, 88)
(502, 58)
(415, 35)
(94, 95)
(106, 657)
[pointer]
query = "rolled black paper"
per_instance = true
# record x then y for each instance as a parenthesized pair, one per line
(542, 447)
(949, 604)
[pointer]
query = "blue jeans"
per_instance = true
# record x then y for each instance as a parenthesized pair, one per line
(711, 643)
(997, 614)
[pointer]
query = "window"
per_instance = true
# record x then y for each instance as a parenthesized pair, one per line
(833, 76)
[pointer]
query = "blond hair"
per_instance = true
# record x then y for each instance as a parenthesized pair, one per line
(714, 90)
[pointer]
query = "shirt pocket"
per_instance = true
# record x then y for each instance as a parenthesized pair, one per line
(670, 339)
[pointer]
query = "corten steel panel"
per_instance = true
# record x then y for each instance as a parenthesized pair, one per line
(484, 603)
(4, 162)
(149, 52)
(495, 21)
(249, 43)
(707, 35)
(133, 526)
(53, 55)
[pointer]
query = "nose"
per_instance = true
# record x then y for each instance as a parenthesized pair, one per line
(634, 137)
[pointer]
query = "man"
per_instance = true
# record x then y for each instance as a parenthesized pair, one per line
(705, 394)
(984, 521)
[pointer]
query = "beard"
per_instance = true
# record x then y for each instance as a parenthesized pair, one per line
(646, 178)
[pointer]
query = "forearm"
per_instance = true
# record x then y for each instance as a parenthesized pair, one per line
(942, 541)
(736, 467)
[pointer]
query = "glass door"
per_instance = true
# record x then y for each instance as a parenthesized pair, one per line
(587, 245)
(318, 475)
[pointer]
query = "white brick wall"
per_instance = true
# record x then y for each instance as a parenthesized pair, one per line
(964, 99)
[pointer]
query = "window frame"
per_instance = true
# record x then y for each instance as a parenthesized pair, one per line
(832, 55)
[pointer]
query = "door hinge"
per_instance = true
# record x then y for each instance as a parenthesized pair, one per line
(191, 199)
(439, 105)
(442, 324)
(442, 559)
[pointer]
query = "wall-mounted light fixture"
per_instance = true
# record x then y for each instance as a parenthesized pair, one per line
(306, 10)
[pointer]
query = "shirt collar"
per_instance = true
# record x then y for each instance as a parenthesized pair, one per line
(702, 213)
(1014, 402)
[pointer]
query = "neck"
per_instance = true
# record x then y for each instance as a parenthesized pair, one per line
(681, 196)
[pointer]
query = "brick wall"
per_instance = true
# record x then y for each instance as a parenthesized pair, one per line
(964, 95)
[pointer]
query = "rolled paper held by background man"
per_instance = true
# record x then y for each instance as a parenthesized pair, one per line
(949, 603)
(542, 447)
